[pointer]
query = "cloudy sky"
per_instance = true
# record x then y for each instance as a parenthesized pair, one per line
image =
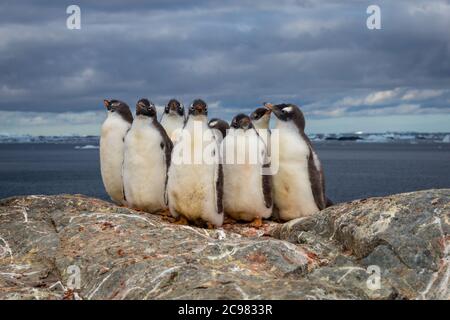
(234, 54)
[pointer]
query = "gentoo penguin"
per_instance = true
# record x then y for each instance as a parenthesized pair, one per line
(299, 187)
(220, 125)
(247, 191)
(173, 118)
(146, 160)
(260, 119)
(195, 185)
(114, 129)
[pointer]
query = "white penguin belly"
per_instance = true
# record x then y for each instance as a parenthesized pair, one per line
(144, 170)
(292, 188)
(111, 156)
(192, 189)
(171, 124)
(243, 196)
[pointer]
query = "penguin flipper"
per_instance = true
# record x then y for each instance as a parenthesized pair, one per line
(219, 189)
(218, 178)
(167, 147)
(266, 176)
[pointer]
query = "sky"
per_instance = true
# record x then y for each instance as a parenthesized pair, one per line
(234, 54)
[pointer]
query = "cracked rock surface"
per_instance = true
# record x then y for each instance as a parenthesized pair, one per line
(75, 247)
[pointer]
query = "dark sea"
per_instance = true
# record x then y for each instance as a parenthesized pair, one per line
(352, 170)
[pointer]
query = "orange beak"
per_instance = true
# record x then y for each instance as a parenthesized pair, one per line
(269, 107)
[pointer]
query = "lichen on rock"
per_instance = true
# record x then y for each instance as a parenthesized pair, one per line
(75, 247)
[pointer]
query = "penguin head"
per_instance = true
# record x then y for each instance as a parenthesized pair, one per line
(220, 125)
(146, 108)
(198, 108)
(261, 117)
(241, 121)
(174, 107)
(289, 112)
(118, 107)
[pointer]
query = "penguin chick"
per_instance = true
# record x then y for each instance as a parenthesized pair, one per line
(247, 191)
(173, 118)
(299, 187)
(195, 185)
(146, 160)
(260, 119)
(113, 131)
(220, 125)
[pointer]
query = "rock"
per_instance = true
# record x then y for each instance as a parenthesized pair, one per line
(75, 247)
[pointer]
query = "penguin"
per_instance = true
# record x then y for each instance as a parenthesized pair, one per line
(261, 119)
(113, 132)
(173, 118)
(220, 125)
(247, 192)
(195, 188)
(146, 161)
(299, 184)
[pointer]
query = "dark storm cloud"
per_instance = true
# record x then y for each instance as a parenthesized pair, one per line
(235, 54)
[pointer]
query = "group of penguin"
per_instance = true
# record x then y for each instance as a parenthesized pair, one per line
(138, 171)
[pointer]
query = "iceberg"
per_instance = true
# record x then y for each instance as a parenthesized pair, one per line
(446, 139)
(86, 147)
(376, 138)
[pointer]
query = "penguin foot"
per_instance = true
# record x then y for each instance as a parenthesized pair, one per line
(257, 223)
(182, 221)
(210, 226)
(165, 212)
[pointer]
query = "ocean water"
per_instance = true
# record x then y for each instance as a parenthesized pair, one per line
(352, 170)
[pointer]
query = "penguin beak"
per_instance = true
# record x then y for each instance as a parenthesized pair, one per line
(107, 104)
(199, 110)
(276, 110)
(245, 123)
(140, 106)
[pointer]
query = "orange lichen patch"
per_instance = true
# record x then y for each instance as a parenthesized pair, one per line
(443, 241)
(257, 257)
(103, 270)
(68, 295)
(107, 225)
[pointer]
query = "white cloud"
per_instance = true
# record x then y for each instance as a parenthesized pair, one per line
(374, 98)
(422, 94)
(308, 26)
(394, 96)
(7, 91)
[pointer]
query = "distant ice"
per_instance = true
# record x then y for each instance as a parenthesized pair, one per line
(88, 146)
(75, 139)
(92, 142)
(387, 137)
(446, 139)
(377, 138)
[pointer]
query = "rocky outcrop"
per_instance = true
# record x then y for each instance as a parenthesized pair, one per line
(74, 247)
